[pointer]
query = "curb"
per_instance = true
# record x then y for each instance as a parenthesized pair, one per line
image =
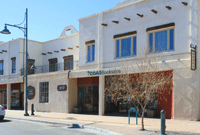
(69, 125)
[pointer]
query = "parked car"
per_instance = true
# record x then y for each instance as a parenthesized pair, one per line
(2, 112)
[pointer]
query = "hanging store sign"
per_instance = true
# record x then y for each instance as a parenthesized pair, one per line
(102, 72)
(30, 92)
(193, 57)
(62, 87)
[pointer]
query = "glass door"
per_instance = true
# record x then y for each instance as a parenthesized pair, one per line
(15, 98)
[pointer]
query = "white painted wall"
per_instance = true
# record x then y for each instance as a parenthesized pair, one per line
(186, 22)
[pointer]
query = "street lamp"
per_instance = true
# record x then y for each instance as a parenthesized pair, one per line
(25, 30)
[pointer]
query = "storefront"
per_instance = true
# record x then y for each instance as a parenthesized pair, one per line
(3, 95)
(160, 101)
(88, 94)
(17, 96)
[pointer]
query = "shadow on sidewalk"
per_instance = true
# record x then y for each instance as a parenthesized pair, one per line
(2, 121)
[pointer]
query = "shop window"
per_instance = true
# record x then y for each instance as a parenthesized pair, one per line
(44, 92)
(90, 53)
(125, 44)
(68, 62)
(161, 38)
(13, 64)
(1, 67)
(53, 65)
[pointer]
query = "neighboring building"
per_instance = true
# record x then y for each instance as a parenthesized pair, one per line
(105, 41)
(52, 60)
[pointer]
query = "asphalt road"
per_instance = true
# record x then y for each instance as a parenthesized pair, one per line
(20, 127)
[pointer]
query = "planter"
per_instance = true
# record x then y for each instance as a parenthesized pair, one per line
(77, 110)
(152, 113)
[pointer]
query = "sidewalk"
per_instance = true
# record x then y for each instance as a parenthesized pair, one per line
(112, 123)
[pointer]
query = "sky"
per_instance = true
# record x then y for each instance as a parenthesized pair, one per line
(47, 18)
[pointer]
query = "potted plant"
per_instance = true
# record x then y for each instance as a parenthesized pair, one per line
(77, 109)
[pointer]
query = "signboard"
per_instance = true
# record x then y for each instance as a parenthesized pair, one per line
(30, 92)
(193, 59)
(62, 87)
(102, 72)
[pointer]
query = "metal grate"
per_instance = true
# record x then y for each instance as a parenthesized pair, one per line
(44, 92)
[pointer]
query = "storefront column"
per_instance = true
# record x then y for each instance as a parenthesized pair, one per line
(101, 94)
(8, 96)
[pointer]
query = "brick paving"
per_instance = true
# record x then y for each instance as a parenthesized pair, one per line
(114, 123)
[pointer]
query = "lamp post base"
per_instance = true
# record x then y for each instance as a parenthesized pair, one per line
(26, 114)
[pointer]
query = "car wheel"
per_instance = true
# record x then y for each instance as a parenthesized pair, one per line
(1, 118)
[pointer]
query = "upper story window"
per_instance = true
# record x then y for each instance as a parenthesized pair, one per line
(161, 38)
(53, 65)
(90, 50)
(126, 44)
(31, 62)
(13, 64)
(1, 67)
(68, 62)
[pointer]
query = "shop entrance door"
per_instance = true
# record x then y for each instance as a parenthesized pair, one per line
(15, 99)
(88, 98)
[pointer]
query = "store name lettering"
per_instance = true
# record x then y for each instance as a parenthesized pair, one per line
(102, 72)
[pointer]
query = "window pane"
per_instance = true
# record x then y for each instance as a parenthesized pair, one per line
(161, 41)
(66, 64)
(134, 45)
(93, 52)
(89, 51)
(117, 49)
(151, 42)
(1, 68)
(172, 39)
(71, 64)
(125, 47)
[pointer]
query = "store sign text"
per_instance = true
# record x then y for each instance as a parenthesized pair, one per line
(102, 72)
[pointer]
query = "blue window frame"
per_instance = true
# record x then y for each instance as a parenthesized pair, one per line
(13, 65)
(126, 47)
(90, 53)
(161, 41)
(1, 67)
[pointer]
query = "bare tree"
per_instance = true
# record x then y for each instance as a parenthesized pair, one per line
(143, 86)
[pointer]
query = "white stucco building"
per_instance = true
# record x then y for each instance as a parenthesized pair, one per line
(106, 40)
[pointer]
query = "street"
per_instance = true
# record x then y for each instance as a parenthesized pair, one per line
(20, 127)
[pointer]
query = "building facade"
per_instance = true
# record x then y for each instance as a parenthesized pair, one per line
(72, 69)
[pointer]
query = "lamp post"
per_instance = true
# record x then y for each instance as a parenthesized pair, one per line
(25, 30)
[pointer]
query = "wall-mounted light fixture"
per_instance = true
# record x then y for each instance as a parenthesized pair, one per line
(62, 49)
(44, 54)
(49, 52)
(56, 51)
(193, 57)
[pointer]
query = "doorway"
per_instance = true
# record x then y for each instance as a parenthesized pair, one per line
(88, 98)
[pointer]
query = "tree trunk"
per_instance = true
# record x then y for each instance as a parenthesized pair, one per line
(143, 120)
